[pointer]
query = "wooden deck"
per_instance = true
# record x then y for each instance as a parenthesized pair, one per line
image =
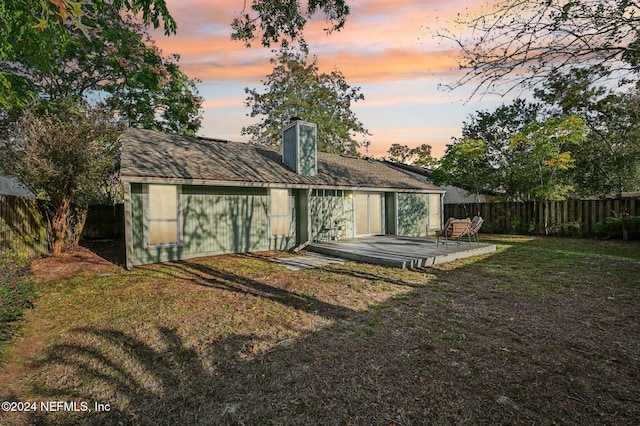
(399, 252)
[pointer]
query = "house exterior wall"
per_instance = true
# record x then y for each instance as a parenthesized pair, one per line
(418, 214)
(331, 209)
(408, 214)
(212, 220)
(413, 214)
(217, 220)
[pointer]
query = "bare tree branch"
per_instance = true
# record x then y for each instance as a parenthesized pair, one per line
(518, 43)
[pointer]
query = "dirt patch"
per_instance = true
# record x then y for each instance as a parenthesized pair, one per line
(74, 261)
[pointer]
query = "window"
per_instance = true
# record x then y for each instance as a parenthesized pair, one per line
(434, 212)
(163, 214)
(280, 212)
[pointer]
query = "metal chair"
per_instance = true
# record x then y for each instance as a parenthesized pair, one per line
(474, 229)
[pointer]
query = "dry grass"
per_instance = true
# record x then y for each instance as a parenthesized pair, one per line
(544, 331)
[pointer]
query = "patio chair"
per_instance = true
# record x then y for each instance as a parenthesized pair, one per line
(454, 230)
(474, 229)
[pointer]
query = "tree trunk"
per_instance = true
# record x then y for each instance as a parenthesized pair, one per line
(59, 226)
(625, 229)
(546, 217)
(76, 224)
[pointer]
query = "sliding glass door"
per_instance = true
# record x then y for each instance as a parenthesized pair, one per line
(368, 213)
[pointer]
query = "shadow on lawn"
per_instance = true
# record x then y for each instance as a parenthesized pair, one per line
(209, 276)
(433, 357)
(143, 383)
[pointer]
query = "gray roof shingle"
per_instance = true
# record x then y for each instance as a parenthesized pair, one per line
(11, 185)
(153, 155)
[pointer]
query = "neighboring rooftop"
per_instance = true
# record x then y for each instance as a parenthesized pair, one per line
(11, 185)
(150, 155)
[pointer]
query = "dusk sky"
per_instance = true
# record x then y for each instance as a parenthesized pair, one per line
(385, 48)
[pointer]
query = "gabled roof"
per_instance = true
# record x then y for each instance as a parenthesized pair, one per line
(427, 172)
(149, 156)
(11, 185)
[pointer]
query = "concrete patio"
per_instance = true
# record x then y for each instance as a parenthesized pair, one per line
(400, 252)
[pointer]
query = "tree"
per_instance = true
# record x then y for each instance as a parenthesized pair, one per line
(284, 21)
(464, 164)
(35, 27)
(608, 160)
(519, 43)
(399, 153)
(119, 64)
(422, 156)
(494, 129)
(480, 159)
(271, 21)
(296, 88)
(543, 157)
(42, 14)
(419, 156)
(61, 150)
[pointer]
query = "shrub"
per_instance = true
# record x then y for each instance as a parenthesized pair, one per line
(17, 291)
(612, 228)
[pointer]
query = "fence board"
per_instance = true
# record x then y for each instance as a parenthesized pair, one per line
(571, 217)
(104, 222)
(21, 226)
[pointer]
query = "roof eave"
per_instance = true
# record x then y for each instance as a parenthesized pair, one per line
(246, 184)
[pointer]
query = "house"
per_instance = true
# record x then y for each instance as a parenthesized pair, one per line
(454, 193)
(460, 195)
(193, 196)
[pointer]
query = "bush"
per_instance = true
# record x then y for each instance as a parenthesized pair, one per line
(17, 291)
(612, 228)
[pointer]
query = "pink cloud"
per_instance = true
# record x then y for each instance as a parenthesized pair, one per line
(384, 43)
(391, 49)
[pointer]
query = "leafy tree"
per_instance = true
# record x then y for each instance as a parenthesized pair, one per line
(32, 29)
(283, 21)
(480, 159)
(119, 63)
(464, 164)
(609, 159)
(274, 20)
(495, 128)
(61, 149)
(543, 151)
(419, 156)
(43, 14)
(543, 157)
(296, 88)
(399, 153)
(521, 42)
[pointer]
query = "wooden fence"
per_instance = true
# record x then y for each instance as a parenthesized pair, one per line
(566, 218)
(21, 226)
(104, 222)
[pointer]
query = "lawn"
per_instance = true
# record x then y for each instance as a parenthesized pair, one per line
(544, 331)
